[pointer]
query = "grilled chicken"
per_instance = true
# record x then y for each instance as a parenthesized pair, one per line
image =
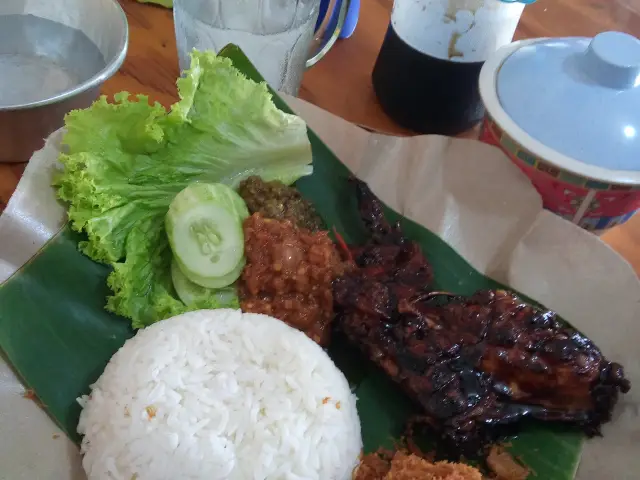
(475, 363)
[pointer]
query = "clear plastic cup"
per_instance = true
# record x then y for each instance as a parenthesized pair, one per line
(276, 35)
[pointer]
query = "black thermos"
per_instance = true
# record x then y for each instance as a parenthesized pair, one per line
(426, 75)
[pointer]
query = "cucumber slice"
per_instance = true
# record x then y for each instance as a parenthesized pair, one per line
(194, 295)
(213, 282)
(204, 227)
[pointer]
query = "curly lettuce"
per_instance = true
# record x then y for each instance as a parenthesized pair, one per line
(125, 161)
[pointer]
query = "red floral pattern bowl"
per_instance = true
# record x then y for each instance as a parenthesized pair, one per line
(555, 150)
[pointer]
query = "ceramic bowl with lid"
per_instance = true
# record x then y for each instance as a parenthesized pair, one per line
(567, 112)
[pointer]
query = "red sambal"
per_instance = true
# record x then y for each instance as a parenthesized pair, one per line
(288, 275)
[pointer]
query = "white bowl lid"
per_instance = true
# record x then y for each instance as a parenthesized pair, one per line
(578, 96)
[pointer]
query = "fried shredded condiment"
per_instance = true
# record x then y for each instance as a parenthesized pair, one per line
(278, 201)
(289, 274)
(151, 411)
(402, 466)
(30, 395)
(505, 466)
(373, 466)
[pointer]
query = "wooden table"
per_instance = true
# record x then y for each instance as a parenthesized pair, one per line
(341, 83)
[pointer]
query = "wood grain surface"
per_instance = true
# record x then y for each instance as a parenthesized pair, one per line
(341, 82)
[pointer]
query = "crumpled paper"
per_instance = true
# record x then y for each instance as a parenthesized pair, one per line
(470, 195)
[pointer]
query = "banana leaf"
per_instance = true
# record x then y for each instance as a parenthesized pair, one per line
(58, 337)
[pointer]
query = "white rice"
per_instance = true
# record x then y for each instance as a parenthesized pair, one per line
(217, 394)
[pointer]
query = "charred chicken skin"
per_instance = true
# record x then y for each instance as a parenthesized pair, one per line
(472, 363)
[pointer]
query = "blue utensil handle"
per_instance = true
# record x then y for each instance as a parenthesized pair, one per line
(351, 18)
(351, 21)
(336, 21)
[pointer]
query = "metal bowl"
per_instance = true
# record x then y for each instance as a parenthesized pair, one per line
(54, 57)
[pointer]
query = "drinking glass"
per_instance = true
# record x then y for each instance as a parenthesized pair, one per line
(276, 35)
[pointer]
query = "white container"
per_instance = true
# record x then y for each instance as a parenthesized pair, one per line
(567, 112)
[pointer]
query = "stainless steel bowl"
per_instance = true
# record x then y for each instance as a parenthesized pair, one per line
(54, 57)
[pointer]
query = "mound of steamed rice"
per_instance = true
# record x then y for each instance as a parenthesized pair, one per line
(218, 394)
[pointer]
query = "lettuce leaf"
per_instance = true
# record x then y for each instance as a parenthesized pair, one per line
(126, 161)
(142, 285)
